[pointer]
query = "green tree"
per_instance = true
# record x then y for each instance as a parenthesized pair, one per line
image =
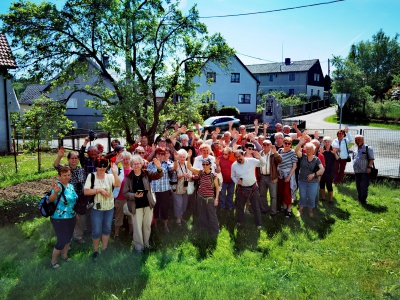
(43, 122)
(160, 48)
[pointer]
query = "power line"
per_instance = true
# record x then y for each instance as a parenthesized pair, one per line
(257, 57)
(274, 10)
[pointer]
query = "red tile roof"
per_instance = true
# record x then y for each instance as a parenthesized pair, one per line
(6, 58)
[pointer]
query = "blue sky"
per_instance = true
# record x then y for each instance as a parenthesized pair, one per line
(317, 32)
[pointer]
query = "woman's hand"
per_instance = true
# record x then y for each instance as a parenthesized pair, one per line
(189, 153)
(287, 179)
(103, 192)
(61, 152)
(139, 194)
(56, 188)
(114, 168)
(157, 163)
(311, 176)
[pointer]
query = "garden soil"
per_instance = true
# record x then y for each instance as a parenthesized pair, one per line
(32, 188)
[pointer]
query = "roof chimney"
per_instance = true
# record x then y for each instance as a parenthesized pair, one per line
(287, 61)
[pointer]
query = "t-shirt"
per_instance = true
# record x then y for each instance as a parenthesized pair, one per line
(106, 184)
(65, 206)
(308, 167)
(206, 188)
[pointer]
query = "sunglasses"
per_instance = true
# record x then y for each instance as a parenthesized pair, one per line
(102, 166)
(287, 143)
(140, 152)
(250, 148)
(205, 164)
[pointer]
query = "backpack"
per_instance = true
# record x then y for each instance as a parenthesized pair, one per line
(48, 208)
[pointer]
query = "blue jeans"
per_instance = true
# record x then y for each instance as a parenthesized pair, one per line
(101, 222)
(308, 192)
(226, 195)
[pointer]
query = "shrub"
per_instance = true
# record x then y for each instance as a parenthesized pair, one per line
(229, 111)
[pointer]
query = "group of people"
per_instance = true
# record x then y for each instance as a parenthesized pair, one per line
(186, 168)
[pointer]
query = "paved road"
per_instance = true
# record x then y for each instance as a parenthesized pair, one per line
(316, 120)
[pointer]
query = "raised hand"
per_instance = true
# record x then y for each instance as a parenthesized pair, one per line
(61, 152)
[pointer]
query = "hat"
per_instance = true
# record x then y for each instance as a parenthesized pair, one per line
(206, 161)
(118, 148)
(184, 136)
(162, 139)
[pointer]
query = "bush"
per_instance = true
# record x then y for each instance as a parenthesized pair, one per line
(229, 111)
(31, 146)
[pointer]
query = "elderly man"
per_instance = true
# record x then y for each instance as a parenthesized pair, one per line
(278, 140)
(88, 162)
(143, 142)
(243, 174)
(363, 159)
(268, 179)
(278, 128)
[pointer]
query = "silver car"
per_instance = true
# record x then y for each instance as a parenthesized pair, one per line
(219, 121)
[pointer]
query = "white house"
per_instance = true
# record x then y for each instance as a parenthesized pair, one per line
(8, 99)
(235, 86)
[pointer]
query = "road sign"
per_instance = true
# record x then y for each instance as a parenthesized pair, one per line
(341, 99)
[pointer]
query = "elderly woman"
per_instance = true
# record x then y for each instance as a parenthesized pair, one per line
(63, 219)
(161, 186)
(103, 210)
(180, 196)
(310, 168)
(207, 195)
(286, 178)
(342, 149)
(119, 197)
(141, 199)
(330, 154)
(78, 178)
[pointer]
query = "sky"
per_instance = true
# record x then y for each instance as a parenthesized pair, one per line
(313, 32)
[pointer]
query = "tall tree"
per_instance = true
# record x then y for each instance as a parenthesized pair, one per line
(142, 47)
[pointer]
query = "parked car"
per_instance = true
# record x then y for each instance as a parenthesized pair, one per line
(219, 121)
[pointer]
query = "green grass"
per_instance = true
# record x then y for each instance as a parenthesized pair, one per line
(333, 119)
(27, 165)
(345, 252)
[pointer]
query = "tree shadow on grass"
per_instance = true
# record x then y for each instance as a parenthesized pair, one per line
(345, 190)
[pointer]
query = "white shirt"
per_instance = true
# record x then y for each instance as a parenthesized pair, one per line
(246, 171)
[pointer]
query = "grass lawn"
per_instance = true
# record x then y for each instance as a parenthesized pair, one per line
(345, 252)
(334, 119)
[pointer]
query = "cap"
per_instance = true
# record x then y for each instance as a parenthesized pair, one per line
(118, 148)
(206, 161)
(162, 139)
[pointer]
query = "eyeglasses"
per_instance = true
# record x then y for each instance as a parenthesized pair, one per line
(225, 153)
(140, 152)
(287, 143)
(102, 166)
(249, 148)
(160, 153)
(205, 164)
(74, 158)
(136, 164)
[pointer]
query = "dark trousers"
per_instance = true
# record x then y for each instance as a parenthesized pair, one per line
(362, 184)
(340, 166)
(162, 205)
(242, 195)
(207, 214)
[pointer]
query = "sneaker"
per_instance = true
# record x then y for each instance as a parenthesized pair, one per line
(55, 266)
(259, 227)
(246, 212)
(284, 210)
(288, 214)
(80, 241)
(238, 224)
(166, 229)
(95, 256)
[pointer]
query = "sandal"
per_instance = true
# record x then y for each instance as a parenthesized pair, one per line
(55, 265)
(66, 259)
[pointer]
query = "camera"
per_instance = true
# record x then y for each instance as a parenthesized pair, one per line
(185, 183)
(92, 135)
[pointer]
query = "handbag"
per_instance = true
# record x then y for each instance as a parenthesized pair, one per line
(348, 159)
(190, 188)
(374, 171)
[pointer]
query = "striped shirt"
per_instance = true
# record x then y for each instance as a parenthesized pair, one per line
(206, 188)
(288, 158)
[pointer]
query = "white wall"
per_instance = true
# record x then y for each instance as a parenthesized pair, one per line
(227, 92)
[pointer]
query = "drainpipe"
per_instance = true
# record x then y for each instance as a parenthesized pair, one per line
(7, 114)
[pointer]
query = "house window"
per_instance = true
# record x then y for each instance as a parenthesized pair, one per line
(312, 92)
(271, 77)
(235, 77)
(291, 91)
(316, 77)
(292, 76)
(317, 92)
(77, 81)
(211, 76)
(72, 103)
(210, 97)
(244, 98)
